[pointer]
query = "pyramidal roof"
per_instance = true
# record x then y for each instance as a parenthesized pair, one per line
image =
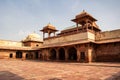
(50, 26)
(85, 14)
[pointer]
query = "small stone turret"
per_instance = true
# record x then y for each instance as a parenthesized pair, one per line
(48, 29)
(87, 22)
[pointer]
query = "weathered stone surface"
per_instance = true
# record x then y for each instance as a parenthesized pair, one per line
(36, 70)
(10, 43)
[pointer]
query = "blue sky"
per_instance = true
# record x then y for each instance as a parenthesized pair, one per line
(18, 18)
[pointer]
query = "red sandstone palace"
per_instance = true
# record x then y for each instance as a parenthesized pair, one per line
(84, 42)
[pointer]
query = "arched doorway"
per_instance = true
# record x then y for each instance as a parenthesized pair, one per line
(11, 55)
(18, 54)
(36, 55)
(41, 57)
(27, 56)
(61, 54)
(72, 52)
(53, 54)
(82, 56)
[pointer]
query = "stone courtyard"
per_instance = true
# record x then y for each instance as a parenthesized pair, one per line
(41, 70)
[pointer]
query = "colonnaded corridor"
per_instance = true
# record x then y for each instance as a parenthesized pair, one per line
(38, 70)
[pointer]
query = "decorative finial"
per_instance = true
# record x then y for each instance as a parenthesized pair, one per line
(33, 31)
(83, 10)
(49, 23)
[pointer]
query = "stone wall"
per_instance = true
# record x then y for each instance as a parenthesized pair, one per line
(5, 54)
(73, 37)
(108, 52)
(108, 35)
(90, 35)
(10, 43)
(36, 44)
(33, 44)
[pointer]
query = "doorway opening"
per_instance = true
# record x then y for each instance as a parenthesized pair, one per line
(61, 54)
(27, 56)
(72, 52)
(11, 55)
(53, 54)
(82, 56)
(18, 54)
(36, 55)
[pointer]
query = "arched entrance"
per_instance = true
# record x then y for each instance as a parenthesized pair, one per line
(18, 54)
(41, 57)
(72, 52)
(61, 54)
(36, 55)
(82, 56)
(11, 55)
(27, 56)
(53, 54)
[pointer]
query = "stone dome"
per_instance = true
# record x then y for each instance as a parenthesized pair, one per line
(33, 37)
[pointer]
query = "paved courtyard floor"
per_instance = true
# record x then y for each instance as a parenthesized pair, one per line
(39, 70)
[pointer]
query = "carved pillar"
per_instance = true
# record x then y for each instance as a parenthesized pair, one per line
(42, 53)
(49, 33)
(54, 34)
(43, 58)
(92, 25)
(77, 26)
(46, 54)
(23, 55)
(14, 55)
(89, 55)
(78, 54)
(43, 35)
(89, 51)
(66, 55)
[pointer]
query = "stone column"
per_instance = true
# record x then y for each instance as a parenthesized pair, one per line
(46, 54)
(14, 55)
(49, 33)
(78, 54)
(77, 26)
(89, 55)
(43, 54)
(43, 35)
(66, 55)
(23, 55)
(54, 34)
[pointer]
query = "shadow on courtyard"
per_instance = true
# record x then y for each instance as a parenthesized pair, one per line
(101, 65)
(54, 79)
(114, 77)
(6, 75)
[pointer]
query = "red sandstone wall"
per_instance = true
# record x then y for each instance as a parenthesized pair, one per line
(108, 52)
(32, 44)
(5, 54)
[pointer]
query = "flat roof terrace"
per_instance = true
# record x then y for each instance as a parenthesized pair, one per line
(38, 70)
